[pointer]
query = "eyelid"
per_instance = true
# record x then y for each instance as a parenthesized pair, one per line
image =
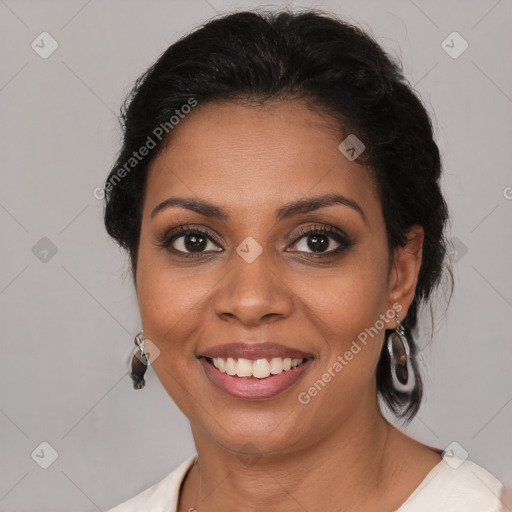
(324, 228)
(184, 229)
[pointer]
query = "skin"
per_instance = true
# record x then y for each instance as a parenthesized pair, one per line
(337, 452)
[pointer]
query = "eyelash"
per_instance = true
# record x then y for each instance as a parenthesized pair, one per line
(345, 243)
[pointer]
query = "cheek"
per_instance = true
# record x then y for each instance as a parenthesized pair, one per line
(169, 308)
(353, 296)
(350, 308)
(348, 318)
(167, 299)
(164, 291)
(169, 305)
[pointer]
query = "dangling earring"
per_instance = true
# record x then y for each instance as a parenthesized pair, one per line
(402, 373)
(139, 362)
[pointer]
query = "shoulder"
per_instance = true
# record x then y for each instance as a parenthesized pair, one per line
(456, 485)
(160, 497)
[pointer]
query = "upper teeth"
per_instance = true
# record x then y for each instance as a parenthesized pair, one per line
(260, 368)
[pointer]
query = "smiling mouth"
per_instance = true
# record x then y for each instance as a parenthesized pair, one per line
(255, 369)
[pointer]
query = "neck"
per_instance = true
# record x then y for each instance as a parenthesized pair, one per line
(347, 469)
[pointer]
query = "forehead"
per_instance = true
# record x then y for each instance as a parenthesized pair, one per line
(253, 155)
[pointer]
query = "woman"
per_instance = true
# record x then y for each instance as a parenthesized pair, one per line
(278, 193)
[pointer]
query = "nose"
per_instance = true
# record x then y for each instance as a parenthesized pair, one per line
(252, 292)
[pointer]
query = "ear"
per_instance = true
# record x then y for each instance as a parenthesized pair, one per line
(404, 272)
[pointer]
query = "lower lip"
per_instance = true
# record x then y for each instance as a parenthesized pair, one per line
(253, 388)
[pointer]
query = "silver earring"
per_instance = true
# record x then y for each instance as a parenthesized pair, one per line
(402, 373)
(139, 362)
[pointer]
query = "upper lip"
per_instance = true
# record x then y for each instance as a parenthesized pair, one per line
(259, 350)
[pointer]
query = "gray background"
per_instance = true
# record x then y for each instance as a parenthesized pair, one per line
(68, 319)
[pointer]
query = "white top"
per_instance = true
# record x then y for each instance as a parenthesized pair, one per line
(453, 485)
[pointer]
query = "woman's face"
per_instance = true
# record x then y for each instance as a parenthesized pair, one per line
(258, 276)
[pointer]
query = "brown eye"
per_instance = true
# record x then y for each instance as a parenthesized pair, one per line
(190, 241)
(323, 240)
(316, 242)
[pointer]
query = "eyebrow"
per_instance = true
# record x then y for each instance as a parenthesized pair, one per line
(284, 212)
